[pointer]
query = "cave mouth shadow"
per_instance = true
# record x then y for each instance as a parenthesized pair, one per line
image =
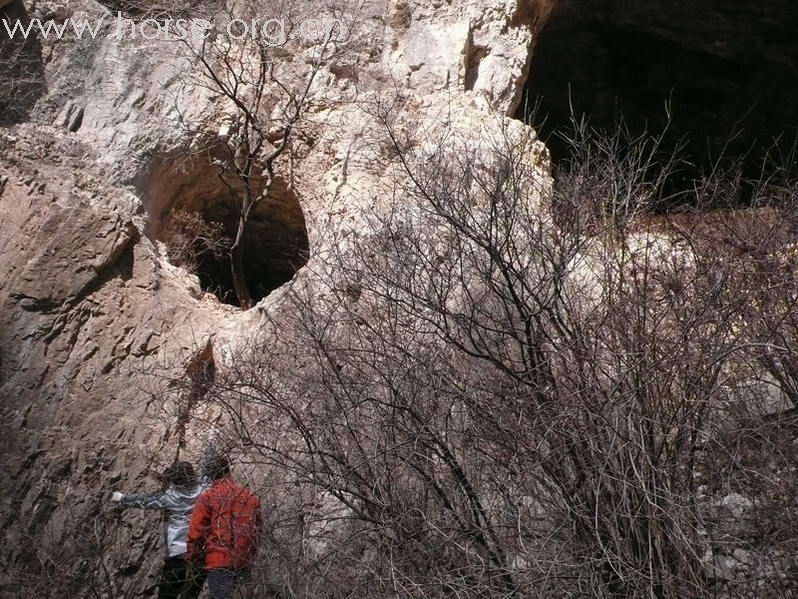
(275, 241)
(22, 80)
(666, 66)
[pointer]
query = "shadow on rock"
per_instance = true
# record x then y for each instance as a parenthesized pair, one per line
(21, 66)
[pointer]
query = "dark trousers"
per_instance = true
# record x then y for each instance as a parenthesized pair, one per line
(221, 582)
(180, 580)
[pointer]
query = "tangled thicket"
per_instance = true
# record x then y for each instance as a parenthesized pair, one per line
(514, 391)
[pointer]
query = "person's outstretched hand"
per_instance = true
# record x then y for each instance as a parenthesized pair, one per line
(117, 497)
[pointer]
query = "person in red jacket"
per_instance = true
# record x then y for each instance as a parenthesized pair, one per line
(224, 530)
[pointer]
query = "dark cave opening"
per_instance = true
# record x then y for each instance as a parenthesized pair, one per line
(727, 71)
(196, 215)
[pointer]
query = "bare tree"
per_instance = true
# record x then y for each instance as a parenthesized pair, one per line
(267, 101)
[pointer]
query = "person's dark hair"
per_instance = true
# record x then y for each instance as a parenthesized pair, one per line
(180, 474)
(217, 467)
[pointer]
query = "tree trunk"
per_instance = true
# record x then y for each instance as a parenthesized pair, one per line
(239, 281)
(237, 266)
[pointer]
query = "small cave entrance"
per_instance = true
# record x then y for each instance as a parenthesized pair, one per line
(195, 215)
(728, 70)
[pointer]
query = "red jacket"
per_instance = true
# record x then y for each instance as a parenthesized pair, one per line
(225, 526)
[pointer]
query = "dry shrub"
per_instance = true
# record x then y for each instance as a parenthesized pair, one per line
(188, 236)
(532, 393)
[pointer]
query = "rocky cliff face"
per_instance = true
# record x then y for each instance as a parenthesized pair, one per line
(94, 317)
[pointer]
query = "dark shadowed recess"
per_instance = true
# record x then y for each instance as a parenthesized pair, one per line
(728, 70)
(21, 66)
(275, 240)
